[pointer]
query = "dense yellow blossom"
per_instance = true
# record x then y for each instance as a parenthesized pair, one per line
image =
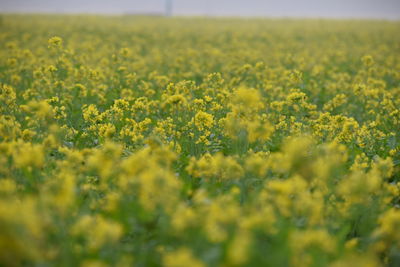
(181, 258)
(151, 141)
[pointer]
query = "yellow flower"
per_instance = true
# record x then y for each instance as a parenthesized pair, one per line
(97, 230)
(389, 223)
(41, 109)
(176, 101)
(55, 41)
(303, 242)
(217, 166)
(90, 113)
(28, 155)
(367, 60)
(182, 257)
(239, 249)
(246, 100)
(203, 120)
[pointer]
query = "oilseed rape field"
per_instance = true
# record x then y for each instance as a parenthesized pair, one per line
(191, 142)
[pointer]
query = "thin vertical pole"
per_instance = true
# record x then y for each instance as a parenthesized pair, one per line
(168, 8)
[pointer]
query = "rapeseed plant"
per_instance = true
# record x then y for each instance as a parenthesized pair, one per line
(190, 142)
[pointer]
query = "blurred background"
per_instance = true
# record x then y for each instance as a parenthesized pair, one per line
(376, 9)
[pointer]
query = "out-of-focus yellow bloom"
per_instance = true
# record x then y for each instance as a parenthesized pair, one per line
(217, 166)
(303, 242)
(240, 248)
(55, 41)
(194, 142)
(181, 258)
(98, 231)
(28, 155)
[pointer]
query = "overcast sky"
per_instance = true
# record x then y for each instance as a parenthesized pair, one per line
(387, 9)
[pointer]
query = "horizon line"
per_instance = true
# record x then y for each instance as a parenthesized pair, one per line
(179, 15)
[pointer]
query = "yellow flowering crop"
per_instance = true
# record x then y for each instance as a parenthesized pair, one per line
(155, 141)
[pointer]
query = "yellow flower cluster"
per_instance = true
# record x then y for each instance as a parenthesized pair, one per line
(155, 141)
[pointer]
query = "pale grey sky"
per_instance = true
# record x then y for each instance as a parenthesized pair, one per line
(386, 9)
